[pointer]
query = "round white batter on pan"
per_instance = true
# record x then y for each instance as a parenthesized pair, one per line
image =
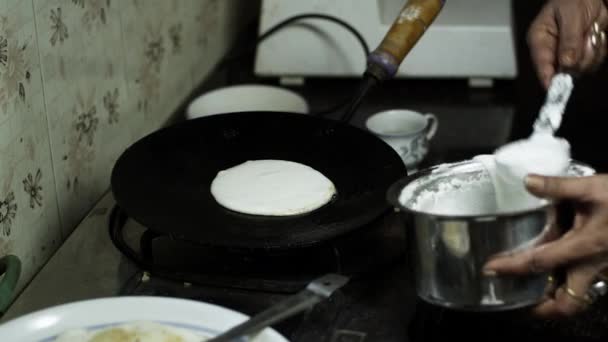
(272, 188)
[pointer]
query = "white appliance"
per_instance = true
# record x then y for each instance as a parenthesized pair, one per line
(471, 39)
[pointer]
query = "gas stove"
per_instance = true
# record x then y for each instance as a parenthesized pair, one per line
(354, 254)
(250, 281)
(364, 310)
(378, 304)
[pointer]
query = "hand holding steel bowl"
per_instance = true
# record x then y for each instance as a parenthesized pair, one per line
(583, 251)
(453, 231)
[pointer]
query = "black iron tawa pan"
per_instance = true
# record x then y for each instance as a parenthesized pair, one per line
(163, 180)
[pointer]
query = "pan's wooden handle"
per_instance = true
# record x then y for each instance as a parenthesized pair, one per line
(411, 23)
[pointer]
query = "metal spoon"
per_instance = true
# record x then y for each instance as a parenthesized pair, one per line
(550, 116)
(316, 291)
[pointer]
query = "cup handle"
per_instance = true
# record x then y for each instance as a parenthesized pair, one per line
(432, 125)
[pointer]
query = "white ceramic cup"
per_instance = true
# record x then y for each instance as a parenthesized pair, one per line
(406, 131)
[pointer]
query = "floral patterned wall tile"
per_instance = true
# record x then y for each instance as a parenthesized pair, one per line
(171, 46)
(90, 117)
(29, 218)
(200, 47)
(209, 37)
(176, 76)
(57, 25)
(80, 80)
(151, 36)
(216, 23)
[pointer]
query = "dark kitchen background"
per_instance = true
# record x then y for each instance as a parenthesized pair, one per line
(472, 120)
(585, 122)
(81, 81)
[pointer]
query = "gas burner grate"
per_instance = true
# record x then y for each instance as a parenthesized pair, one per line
(287, 271)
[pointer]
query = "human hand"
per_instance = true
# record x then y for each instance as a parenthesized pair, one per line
(583, 250)
(568, 35)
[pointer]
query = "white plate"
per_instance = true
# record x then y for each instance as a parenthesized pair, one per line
(202, 318)
(247, 98)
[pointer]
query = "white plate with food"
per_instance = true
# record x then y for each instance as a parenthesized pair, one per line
(128, 319)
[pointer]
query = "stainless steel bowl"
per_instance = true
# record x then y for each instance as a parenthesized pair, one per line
(449, 248)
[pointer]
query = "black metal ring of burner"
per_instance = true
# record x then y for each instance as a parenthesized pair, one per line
(279, 284)
(147, 253)
(117, 222)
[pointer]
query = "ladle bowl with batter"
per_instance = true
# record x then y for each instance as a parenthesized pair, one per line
(453, 228)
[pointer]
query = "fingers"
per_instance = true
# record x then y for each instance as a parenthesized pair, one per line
(595, 45)
(572, 32)
(560, 38)
(571, 37)
(586, 239)
(594, 55)
(574, 188)
(566, 250)
(544, 59)
(571, 298)
(602, 47)
(542, 38)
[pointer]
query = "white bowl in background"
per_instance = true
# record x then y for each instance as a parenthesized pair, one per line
(247, 98)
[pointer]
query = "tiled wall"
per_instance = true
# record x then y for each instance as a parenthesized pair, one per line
(79, 81)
